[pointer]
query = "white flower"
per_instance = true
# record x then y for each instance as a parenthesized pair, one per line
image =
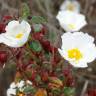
(13, 85)
(71, 5)
(20, 84)
(16, 33)
(71, 21)
(78, 48)
(29, 82)
(12, 90)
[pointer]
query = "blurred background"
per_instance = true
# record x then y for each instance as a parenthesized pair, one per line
(85, 78)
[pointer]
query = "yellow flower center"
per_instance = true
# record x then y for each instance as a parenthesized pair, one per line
(20, 94)
(41, 92)
(19, 36)
(71, 26)
(75, 54)
(70, 7)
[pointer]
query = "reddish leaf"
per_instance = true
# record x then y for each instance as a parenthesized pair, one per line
(70, 81)
(6, 18)
(39, 35)
(48, 47)
(2, 28)
(92, 92)
(44, 75)
(33, 75)
(66, 72)
(3, 56)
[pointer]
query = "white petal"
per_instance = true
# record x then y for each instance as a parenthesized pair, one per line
(29, 82)
(67, 18)
(63, 53)
(21, 84)
(11, 25)
(11, 92)
(77, 39)
(90, 52)
(79, 64)
(60, 51)
(1, 38)
(67, 3)
(8, 40)
(13, 85)
(26, 27)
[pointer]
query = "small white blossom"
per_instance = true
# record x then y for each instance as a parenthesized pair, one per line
(21, 84)
(70, 5)
(11, 92)
(16, 34)
(78, 48)
(71, 21)
(29, 82)
(13, 85)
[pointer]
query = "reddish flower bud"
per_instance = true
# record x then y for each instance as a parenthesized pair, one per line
(70, 81)
(48, 47)
(2, 28)
(5, 18)
(39, 35)
(43, 30)
(66, 72)
(41, 92)
(33, 75)
(3, 56)
(92, 92)
(44, 76)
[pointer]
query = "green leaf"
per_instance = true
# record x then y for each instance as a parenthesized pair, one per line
(56, 92)
(61, 77)
(38, 78)
(34, 65)
(38, 19)
(29, 89)
(52, 36)
(58, 69)
(37, 27)
(35, 46)
(68, 91)
(25, 11)
(47, 55)
(29, 74)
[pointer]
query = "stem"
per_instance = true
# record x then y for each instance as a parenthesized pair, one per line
(84, 88)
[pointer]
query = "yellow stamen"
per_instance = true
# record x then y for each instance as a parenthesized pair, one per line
(70, 7)
(74, 54)
(41, 92)
(71, 26)
(18, 36)
(20, 94)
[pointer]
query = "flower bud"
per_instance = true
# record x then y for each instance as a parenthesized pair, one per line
(3, 56)
(56, 81)
(41, 92)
